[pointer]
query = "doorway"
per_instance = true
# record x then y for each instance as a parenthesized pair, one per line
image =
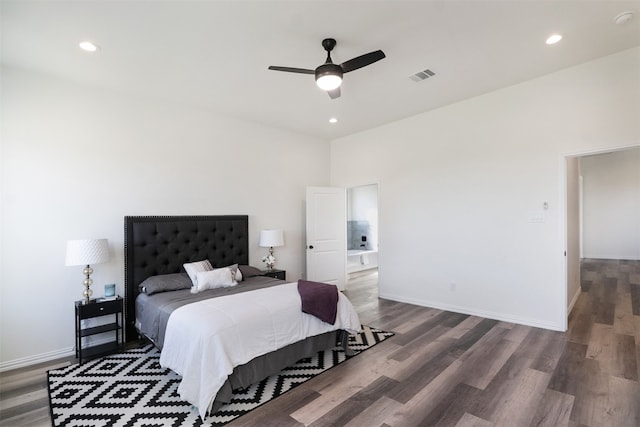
(602, 207)
(362, 234)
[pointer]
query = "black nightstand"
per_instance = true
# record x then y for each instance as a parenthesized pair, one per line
(276, 274)
(97, 308)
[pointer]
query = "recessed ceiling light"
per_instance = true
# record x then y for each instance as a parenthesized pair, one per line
(623, 17)
(88, 46)
(333, 120)
(553, 39)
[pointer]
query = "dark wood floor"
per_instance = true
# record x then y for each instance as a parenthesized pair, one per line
(450, 369)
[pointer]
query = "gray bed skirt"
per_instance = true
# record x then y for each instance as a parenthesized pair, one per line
(272, 363)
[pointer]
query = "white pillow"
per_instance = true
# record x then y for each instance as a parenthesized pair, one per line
(217, 278)
(193, 268)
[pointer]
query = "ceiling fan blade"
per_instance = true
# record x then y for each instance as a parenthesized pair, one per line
(362, 61)
(292, 70)
(333, 94)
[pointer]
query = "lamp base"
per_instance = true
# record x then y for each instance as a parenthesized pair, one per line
(87, 284)
(269, 259)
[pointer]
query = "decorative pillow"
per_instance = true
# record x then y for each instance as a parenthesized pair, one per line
(236, 272)
(165, 282)
(249, 271)
(193, 268)
(217, 278)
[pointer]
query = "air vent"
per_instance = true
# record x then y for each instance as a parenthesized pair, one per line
(422, 75)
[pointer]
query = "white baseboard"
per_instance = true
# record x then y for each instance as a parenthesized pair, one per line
(51, 355)
(574, 300)
(613, 257)
(474, 312)
(38, 358)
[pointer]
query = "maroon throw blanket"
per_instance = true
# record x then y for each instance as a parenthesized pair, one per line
(319, 299)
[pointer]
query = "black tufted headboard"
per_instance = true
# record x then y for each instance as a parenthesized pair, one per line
(156, 245)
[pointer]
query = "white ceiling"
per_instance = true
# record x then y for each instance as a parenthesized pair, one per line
(215, 54)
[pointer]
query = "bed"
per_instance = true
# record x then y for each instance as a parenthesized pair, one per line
(158, 246)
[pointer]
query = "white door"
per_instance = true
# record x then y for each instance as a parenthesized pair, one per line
(326, 235)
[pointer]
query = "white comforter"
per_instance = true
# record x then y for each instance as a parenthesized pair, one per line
(205, 340)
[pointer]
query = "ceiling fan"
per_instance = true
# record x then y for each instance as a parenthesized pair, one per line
(329, 75)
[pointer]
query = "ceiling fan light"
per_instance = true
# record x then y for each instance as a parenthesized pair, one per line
(329, 82)
(329, 76)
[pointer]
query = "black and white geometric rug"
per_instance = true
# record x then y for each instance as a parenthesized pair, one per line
(131, 389)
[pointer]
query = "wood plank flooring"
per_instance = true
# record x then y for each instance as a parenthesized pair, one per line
(449, 369)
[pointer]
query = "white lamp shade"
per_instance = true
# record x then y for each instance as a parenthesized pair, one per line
(269, 238)
(88, 251)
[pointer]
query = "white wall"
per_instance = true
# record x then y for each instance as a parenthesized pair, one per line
(611, 205)
(458, 187)
(76, 160)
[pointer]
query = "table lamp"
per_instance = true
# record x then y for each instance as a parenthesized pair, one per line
(86, 252)
(270, 239)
